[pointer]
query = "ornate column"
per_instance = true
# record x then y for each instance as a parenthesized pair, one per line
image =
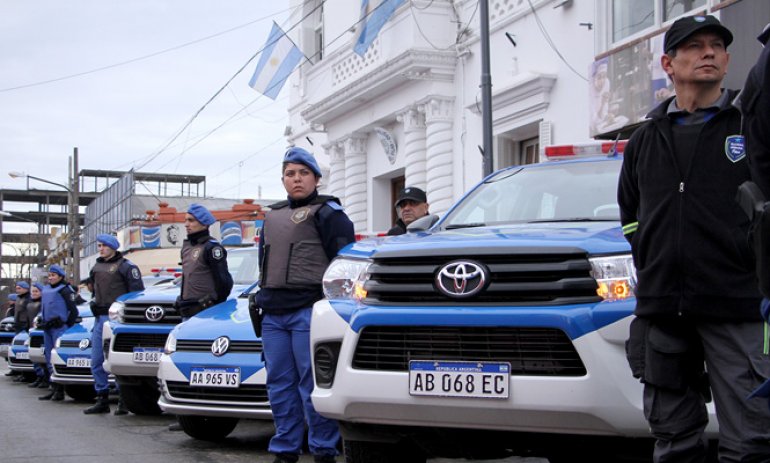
(414, 147)
(438, 120)
(355, 180)
(336, 181)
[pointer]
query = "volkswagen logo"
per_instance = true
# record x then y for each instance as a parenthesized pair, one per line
(84, 344)
(461, 279)
(154, 313)
(220, 346)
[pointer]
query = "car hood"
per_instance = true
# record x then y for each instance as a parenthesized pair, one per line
(229, 319)
(593, 237)
(168, 293)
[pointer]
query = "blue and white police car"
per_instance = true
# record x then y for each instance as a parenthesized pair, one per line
(18, 355)
(212, 374)
(504, 321)
(7, 332)
(140, 323)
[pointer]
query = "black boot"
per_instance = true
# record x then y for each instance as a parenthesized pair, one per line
(12, 373)
(51, 392)
(58, 394)
(36, 383)
(102, 404)
(121, 410)
(44, 384)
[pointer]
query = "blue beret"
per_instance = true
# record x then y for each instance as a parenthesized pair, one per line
(38, 286)
(201, 214)
(12, 297)
(300, 156)
(108, 240)
(57, 270)
(22, 284)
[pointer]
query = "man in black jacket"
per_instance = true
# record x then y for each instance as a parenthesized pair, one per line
(697, 298)
(411, 204)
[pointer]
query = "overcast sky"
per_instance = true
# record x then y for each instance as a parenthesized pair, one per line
(120, 116)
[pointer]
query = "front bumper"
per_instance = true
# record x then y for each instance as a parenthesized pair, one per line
(605, 401)
(120, 359)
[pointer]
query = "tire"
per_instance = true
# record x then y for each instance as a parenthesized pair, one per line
(382, 452)
(80, 393)
(140, 398)
(207, 428)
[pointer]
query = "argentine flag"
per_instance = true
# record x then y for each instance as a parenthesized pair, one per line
(279, 58)
(377, 13)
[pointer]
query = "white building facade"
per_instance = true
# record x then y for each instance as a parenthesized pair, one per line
(408, 112)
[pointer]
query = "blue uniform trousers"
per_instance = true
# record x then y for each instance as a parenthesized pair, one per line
(101, 383)
(50, 335)
(286, 345)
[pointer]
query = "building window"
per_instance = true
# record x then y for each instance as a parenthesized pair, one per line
(674, 8)
(628, 18)
(318, 37)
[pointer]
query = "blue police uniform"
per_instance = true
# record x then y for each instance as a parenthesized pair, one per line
(288, 290)
(57, 312)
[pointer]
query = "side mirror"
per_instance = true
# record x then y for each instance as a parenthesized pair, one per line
(422, 224)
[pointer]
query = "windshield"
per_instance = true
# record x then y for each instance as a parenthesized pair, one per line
(243, 265)
(552, 192)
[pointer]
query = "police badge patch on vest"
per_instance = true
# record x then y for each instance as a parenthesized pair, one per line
(735, 147)
(300, 215)
(216, 253)
(195, 253)
(113, 268)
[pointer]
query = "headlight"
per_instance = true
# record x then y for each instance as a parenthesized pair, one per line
(117, 312)
(345, 278)
(57, 344)
(616, 276)
(170, 347)
(26, 342)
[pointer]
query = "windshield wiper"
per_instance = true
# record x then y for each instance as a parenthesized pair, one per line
(464, 225)
(574, 219)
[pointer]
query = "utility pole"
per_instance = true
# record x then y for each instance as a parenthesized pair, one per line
(486, 88)
(75, 208)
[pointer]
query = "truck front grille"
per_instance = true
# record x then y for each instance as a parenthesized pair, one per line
(244, 394)
(64, 370)
(136, 313)
(530, 351)
(187, 345)
(35, 341)
(126, 342)
(531, 276)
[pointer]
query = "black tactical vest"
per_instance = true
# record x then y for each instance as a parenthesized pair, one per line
(108, 282)
(294, 255)
(198, 279)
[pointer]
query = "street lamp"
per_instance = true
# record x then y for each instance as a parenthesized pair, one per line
(73, 220)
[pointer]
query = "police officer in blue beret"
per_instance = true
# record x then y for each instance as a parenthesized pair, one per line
(21, 321)
(111, 276)
(10, 311)
(206, 280)
(58, 312)
(33, 309)
(299, 238)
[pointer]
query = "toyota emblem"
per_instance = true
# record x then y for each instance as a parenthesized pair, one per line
(154, 313)
(84, 343)
(461, 279)
(220, 346)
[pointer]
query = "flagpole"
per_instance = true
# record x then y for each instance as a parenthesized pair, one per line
(486, 89)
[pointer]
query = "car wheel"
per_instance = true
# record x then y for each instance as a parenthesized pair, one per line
(208, 428)
(140, 399)
(381, 452)
(80, 393)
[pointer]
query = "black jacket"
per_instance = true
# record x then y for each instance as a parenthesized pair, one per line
(398, 229)
(690, 248)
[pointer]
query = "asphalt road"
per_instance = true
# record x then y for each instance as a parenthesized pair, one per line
(47, 432)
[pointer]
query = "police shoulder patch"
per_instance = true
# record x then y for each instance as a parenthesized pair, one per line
(135, 273)
(73, 296)
(335, 205)
(217, 253)
(735, 147)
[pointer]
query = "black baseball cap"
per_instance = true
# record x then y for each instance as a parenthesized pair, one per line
(413, 193)
(687, 26)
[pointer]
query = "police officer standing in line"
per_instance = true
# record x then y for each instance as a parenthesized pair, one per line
(206, 281)
(57, 313)
(33, 309)
(111, 276)
(411, 204)
(21, 320)
(299, 238)
(696, 296)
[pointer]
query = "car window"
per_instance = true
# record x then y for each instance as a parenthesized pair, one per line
(548, 192)
(243, 264)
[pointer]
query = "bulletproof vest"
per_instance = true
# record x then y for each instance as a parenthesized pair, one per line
(294, 255)
(53, 303)
(198, 278)
(33, 308)
(108, 282)
(21, 309)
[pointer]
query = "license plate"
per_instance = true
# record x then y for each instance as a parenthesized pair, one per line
(147, 355)
(79, 362)
(22, 355)
(215, 377)
(487, 380)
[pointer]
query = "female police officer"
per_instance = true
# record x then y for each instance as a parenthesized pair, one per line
(57, 313)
